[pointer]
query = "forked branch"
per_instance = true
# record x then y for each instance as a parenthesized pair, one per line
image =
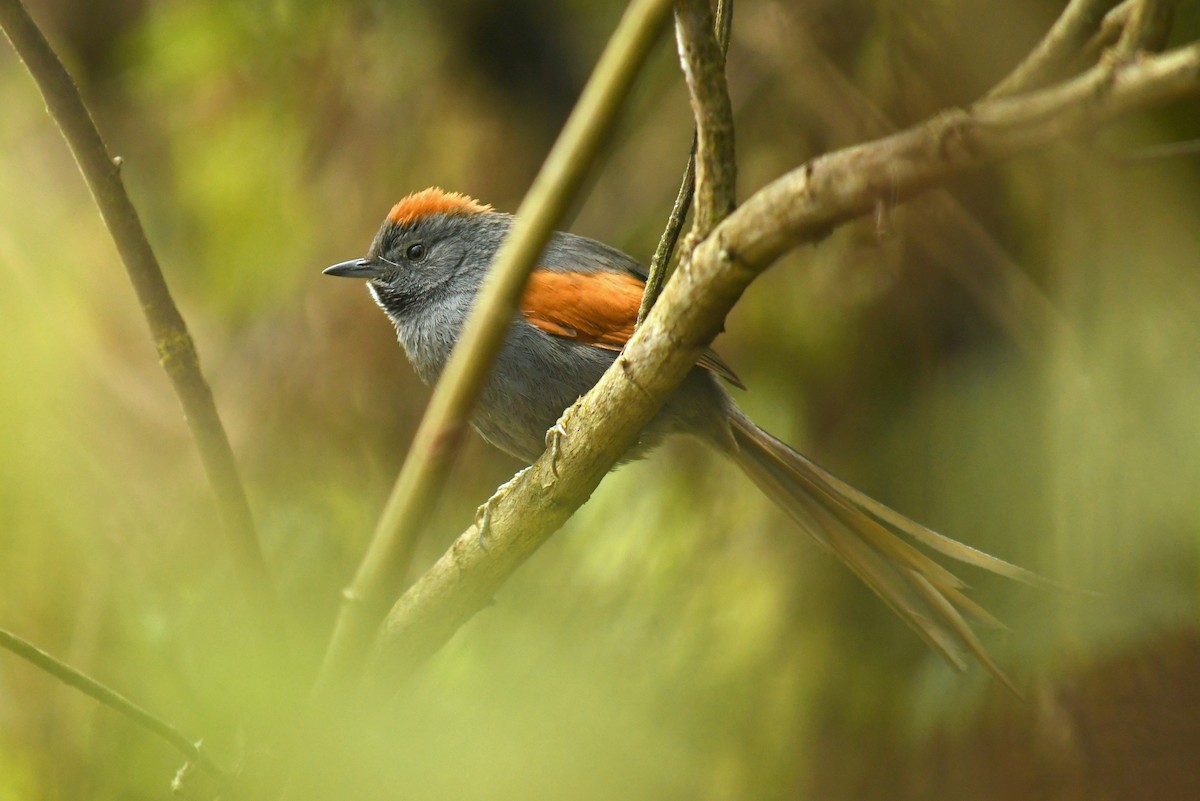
(802, 206)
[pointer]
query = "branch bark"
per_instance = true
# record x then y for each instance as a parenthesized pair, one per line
(802, 206)
(703, 62)
(176, 351)
(661, 261)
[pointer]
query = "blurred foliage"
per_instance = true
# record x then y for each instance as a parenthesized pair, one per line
(679, 638)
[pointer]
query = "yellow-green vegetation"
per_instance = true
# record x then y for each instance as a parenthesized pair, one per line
(679, 638)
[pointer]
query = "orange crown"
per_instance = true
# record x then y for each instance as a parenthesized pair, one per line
(434, 201)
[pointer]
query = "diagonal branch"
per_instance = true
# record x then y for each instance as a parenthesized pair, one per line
(176, 351)
(801, 206)
(383, 567)
(1111, 29)
(998, 284)
(828, 190)
(109, 698)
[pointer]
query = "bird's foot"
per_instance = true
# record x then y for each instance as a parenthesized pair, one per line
(483, 515)
(554, 438)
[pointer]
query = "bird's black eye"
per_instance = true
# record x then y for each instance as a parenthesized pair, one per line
(415, 252)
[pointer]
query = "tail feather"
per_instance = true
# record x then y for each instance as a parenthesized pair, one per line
(981, 616)
(962, 629)
(926, 536)
(878, 574)
(855, 527)
(900, 551)
(872, 568)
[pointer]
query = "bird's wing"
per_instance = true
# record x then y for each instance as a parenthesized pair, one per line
(595, 308)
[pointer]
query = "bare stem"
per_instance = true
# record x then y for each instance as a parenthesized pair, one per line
(1066, 37)
(176, 351)
(109, 698)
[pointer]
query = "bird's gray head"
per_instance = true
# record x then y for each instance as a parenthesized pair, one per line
(433, 244)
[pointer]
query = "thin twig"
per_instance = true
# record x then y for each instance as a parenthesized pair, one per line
(1111, 28)
(1167, 150)
(383, 567)
(111, 699)
(1045, 62)
(660, 263)
(1146, 28)
(801, 206)
(176, 351)
(657, 276)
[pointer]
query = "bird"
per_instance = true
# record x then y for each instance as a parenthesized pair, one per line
(578, 309)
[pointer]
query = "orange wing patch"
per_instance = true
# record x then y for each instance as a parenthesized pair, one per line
(598, 309)
(593, 308)
(434, 201)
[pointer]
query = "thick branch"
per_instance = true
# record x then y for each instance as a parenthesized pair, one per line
(176, 351)
(801, 206)
(804, 203)
(383, 567)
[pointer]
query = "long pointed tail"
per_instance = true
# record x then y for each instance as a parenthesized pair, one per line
(863, 533)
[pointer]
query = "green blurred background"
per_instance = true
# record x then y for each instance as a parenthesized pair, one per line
(1017, 365)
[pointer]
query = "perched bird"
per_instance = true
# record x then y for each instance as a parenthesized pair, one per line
(578, 310)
